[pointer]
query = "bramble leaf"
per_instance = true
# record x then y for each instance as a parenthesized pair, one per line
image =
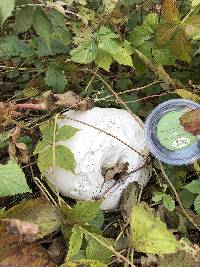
(152, 235)
(193, 187)
(104, 59)
(197, 204)
(96, 251)
(66, 132)
(195, 3)
(64, 158)
(191, 26)
(182, 47)
(12, 180)
(55, 78)
(170, 12)
(24, 18)
(84, 262)
(6, 9)
(85, 53)
(163, 34)
(45, 159)
(42, 26)
(83, 212)
(168, 202)
(75, 241)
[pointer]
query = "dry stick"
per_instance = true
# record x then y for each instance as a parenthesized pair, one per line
(177, 197)
(119, 100)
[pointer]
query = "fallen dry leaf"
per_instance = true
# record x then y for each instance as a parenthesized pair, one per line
(32, 255)
(23, 231)
(191, 121)
(18, 151)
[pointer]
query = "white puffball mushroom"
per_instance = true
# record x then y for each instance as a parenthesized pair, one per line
(95, 151)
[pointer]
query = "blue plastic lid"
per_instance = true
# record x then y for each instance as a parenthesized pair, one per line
(165, 136)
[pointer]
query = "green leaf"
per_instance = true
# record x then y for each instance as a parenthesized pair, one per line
(195, 3)
(41, 147)
(42, 26)
(163, 56)
(97, 251)
(152, 235)
(75, 241)
(108, 45)
(24, 18)
(38, 211)
(45, 159)
(170, 12)
(158, 196)
(182, 47)
(12, 180)
(187, 198)
(88, 263)
(83, 212)
(85, 53)
(6, 9)
(168, 202)
(65, 158)
(123, 57)
(193, 187)
(197, 204)
(66, 132)
(55, 78)
(104, 59)
(47, 132)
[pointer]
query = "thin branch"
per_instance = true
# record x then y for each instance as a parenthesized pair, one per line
(177, 197)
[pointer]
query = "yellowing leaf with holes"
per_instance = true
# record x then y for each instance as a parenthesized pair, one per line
(12, 180)
(170, 12)
(182, 47)
(6, 9)
(149, 234)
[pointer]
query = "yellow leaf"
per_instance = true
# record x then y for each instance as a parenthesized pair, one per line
(149, 234)
(188, 95)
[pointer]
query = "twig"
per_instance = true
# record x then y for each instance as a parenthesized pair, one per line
(177, 197)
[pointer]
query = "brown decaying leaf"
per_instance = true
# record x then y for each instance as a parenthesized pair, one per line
(182, 47)
(18, 151)
(163, 34)
(191, 121)
(169, 11)
(57, 249)
(32, 255)
(7, 113)
(23, 231)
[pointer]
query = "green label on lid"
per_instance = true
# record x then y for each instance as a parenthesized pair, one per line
(171, 133)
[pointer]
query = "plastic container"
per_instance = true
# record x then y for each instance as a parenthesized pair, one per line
(165, 136)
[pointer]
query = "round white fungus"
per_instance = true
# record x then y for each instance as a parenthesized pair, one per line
(97, 154)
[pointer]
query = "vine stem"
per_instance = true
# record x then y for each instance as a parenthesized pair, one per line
(54, 155)
(118, 98)
(177, 196)
(109, 247)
